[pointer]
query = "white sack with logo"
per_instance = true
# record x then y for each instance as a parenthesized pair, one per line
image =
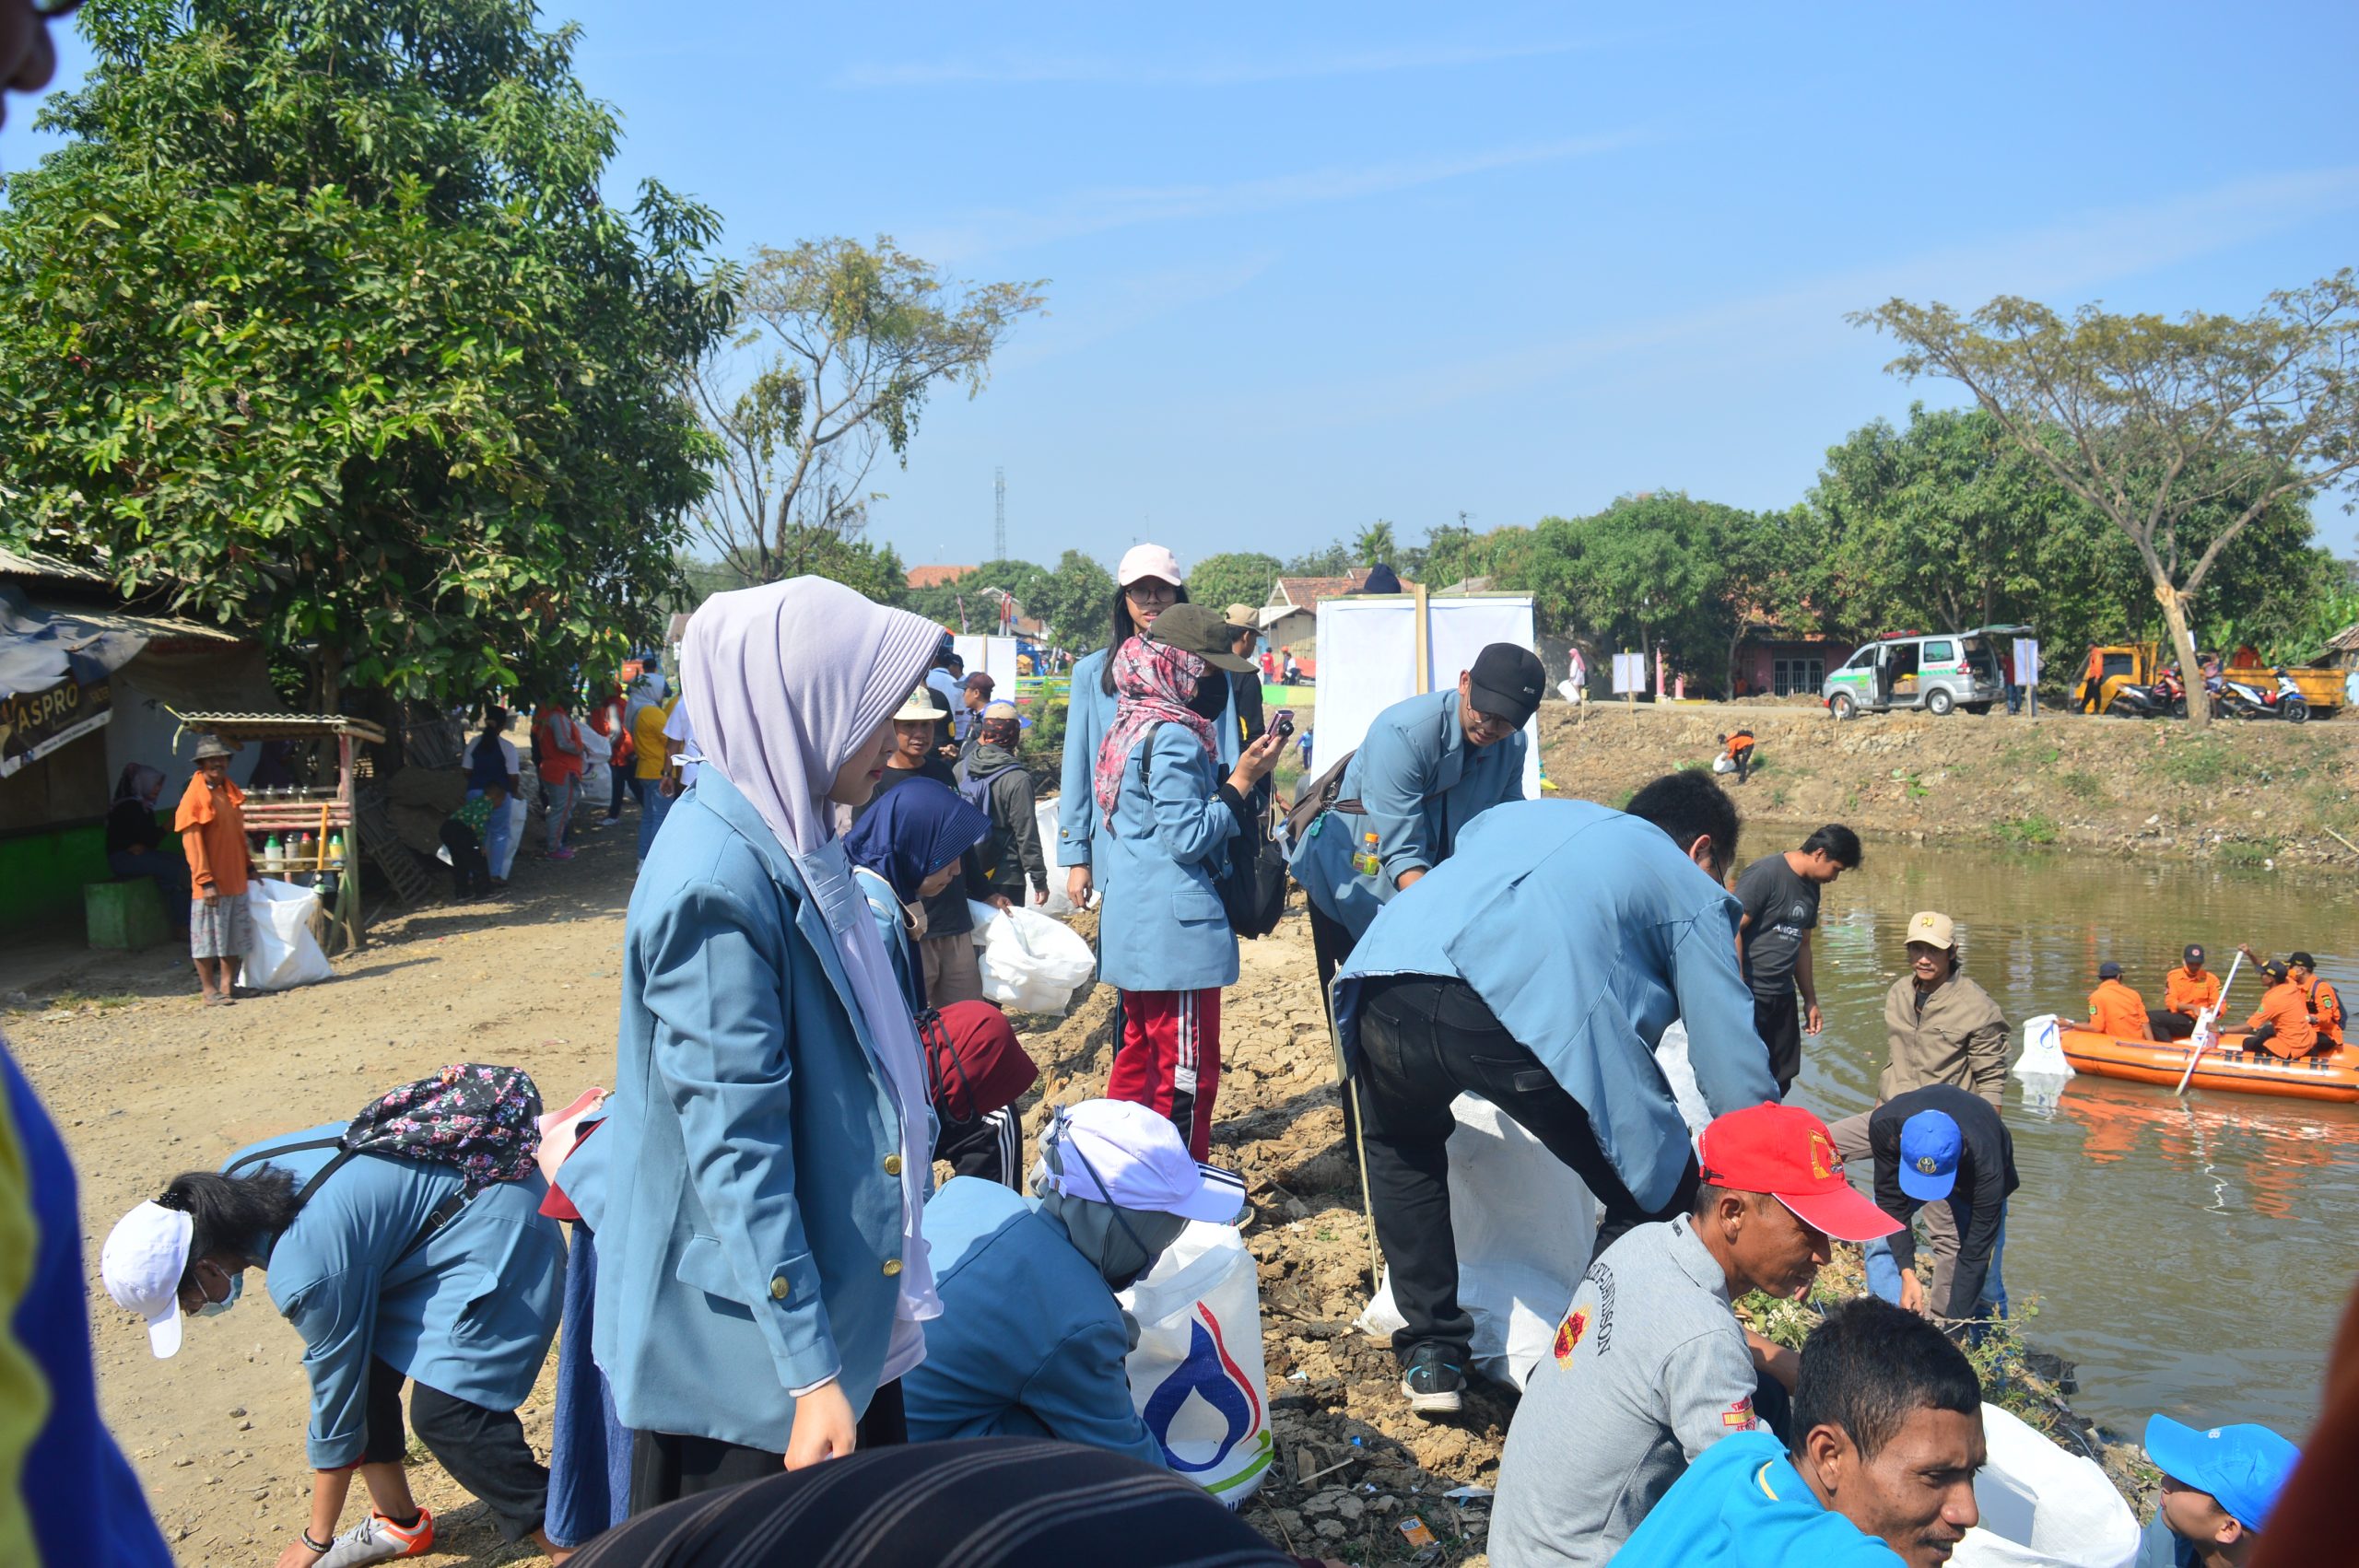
(1196, 1375)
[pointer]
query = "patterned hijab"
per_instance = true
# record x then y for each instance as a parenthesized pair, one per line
(1154, 683)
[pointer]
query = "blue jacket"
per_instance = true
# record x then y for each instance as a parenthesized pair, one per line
(748, 1253)
(1422, 784)
(1089, 713)
(892, 925)
(1741, 1504)
(1030, 1340)
(1586, 931)
(471, 1312)
(1168, 931)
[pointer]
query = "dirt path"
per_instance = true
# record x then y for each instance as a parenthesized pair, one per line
(145, 1083)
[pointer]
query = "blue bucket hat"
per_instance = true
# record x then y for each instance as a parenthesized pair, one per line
(1930, 1146)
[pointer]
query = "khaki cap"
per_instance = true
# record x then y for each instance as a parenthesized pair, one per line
(1243, 616)
(1933, 928)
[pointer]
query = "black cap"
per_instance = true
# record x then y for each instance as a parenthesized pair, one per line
(1506, 683)
(2194, 953)
(2304, 959)
(1200, 630)
(2108, 970)
(2273, 969)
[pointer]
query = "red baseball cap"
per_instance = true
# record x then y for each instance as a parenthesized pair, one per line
(1786, 1151)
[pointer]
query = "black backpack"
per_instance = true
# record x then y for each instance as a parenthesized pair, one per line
(1252, 884)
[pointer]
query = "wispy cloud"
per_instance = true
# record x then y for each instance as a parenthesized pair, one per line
(1094, 211)
(1749, 332)
(1013, 68)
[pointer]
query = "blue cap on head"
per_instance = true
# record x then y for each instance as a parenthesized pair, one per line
(2108, 970)
(2243, 1467)
(1929, 1145)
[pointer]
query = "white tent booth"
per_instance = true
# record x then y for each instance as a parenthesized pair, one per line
(1371, 649)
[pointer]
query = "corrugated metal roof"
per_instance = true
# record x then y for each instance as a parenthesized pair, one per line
(263, 726)
(155, 627)
(31, 563)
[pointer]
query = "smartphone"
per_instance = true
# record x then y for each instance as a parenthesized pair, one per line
(1282, 722)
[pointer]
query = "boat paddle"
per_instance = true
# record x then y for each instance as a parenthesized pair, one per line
(2207, 1026)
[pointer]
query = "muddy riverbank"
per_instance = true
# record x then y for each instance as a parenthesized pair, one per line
(2267, 795)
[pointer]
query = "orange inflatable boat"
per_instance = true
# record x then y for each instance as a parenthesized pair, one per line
(2226, 1066)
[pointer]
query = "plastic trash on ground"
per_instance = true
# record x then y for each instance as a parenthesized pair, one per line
(1196, 1376)
(2043, 1507)
(1030, 962)
(285, 953)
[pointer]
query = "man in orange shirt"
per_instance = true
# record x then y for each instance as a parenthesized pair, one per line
(2114, 1008)
(2186, 992)
(2325, 1007)
(1739, 755)
(212, 824)
(2282, 1025)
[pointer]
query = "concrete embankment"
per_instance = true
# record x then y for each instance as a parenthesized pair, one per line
(2257, 794)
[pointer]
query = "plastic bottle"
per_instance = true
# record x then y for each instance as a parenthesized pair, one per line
(273, 855)
(307, 853)
(1367, 863)
(336, 849)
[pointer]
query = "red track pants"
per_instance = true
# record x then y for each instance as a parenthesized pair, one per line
(1168, 1059)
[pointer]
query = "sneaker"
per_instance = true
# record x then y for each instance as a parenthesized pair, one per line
(1433, 1383)
(377, 1540)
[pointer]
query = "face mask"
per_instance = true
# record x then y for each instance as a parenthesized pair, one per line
(1212, 695)
(215, 1308)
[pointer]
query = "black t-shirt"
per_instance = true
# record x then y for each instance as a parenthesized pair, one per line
(1245, 687)
(130, 825)
(1783, 905)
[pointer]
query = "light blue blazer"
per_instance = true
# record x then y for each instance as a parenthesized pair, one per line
(470, 1312)
(1089, 713)
(892, 929)
(1586, 931)
(1167, 931)
(1030, 1340)
(754, 1243)
(1422, 784)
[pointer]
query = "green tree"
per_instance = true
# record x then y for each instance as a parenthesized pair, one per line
(319, 317)
(1374, 543)
(1333, 561)
(849, 341)
(2157, 419)
(963, 598)
(1075, 601)
(1242, 578)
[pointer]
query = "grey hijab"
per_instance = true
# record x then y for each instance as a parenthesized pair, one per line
(1120, 1243)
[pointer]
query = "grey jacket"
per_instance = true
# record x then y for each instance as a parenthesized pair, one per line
(1013, 852)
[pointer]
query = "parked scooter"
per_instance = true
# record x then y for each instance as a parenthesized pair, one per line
(2245, 699)
(2138, 702)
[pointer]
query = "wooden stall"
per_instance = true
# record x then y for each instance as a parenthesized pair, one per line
(328, 815)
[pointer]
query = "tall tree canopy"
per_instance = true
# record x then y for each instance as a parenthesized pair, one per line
(2181, 434)
(1236, 577)
(321, 319)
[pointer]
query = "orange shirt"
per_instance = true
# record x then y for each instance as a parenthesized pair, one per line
(2190, 994)
(2116, 1009)
(212, 825)
(2286, 1005)
(2326, 1004)
(1740, 742)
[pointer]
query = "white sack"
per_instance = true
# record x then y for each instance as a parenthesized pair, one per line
(1196, 1376)
(2043, 1053)
(1524, 1223)
(285, 953)
(1057, 906)
(2043, 1507)
(1723, 764)
(1030, 962)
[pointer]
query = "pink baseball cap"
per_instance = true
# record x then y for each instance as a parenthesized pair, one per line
(1148, 560)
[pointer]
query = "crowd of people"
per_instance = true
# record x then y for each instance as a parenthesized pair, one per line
(762, 1274)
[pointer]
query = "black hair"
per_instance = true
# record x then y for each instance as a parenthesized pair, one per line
(1870, 1364)
(232, 1213)
(494, 719)
(1123, 630)
(1687, 805)
(1838, 844)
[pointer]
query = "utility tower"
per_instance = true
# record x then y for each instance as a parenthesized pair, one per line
(999, 514)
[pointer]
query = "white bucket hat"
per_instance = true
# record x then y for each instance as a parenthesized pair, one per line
(1139, 1159)
(141, 1265)
(920, 707)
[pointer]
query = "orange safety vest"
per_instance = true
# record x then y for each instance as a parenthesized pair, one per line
(2190, 994)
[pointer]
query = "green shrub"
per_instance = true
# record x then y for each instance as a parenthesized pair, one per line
(2083, 785)
(2035, 829)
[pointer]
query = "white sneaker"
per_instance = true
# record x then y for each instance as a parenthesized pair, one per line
(377, 1540)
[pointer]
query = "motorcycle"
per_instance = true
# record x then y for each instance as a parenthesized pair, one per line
(2130, 701)
(2171, 692)
(2246, 700)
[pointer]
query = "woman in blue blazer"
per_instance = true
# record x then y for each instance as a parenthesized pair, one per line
(386, 1284)
(1146, 583)
(1166, 820)
(904, 850)
(763, 1272)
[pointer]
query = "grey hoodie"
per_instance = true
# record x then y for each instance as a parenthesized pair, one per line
(1013, 852)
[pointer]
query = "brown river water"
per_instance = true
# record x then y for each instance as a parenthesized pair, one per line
(2192, 1256)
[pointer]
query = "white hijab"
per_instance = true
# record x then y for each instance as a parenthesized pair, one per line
(784, 682)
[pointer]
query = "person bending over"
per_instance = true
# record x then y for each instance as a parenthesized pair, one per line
(1031, 1342)
(1537, 968)
(1888, 1435)
(1650, 1367)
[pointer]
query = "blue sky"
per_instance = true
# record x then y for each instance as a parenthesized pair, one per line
(1312, 265)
